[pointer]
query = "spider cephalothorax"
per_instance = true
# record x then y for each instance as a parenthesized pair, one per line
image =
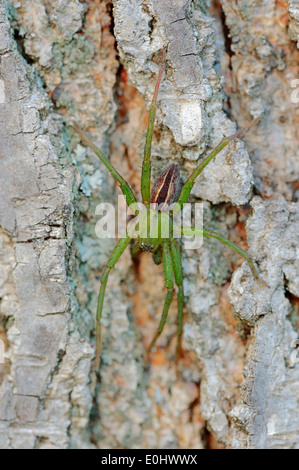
(156, 226)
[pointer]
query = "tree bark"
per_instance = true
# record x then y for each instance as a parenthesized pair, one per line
(96, 62)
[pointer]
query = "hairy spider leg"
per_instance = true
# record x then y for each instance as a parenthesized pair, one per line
(186, 189)
(124, 186)
(168, 273)
(114, 257)
(178, 275)
(146, 165)
(193, 232)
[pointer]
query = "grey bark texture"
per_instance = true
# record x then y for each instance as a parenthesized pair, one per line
(96, 62)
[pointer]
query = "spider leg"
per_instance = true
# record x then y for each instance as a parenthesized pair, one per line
(193, 232)
(186, 190)
(136, 249)
(178, 275)
(114, 257)
(124, 186)
(157, 256)
(168, 272)
(146, 165)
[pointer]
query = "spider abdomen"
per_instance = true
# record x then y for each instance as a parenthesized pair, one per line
(166, 187)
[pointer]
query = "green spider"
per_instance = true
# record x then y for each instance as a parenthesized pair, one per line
(165, 191)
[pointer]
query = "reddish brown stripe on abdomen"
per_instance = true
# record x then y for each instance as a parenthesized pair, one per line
(165, 189)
